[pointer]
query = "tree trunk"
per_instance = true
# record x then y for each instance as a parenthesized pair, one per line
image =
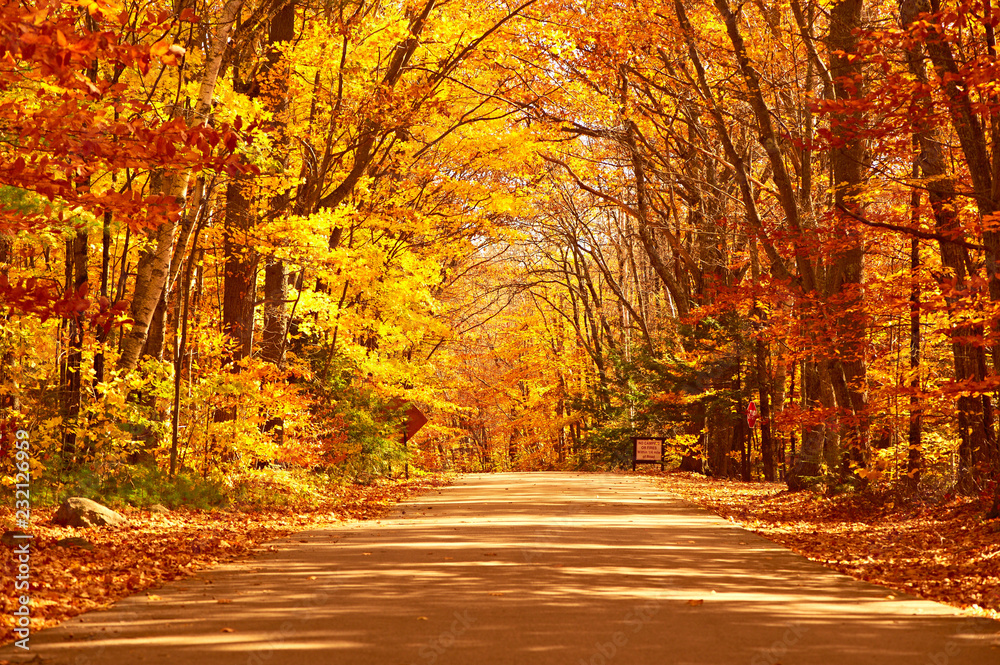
(975, 146)
(764, 396)
(154, 265)
(105, 275)
(6, 253)
(975, 421)
(809, 461)
(762, 376)
(847, 160)
(740, 429)
(180, 348)
(240, 283)
(771, 144)
(914, 448)
(276, 273)
(914, 455)
(74, 384)
(8, 398)
(156, 334)
(275, 311)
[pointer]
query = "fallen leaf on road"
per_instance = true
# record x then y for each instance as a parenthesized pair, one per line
(227, 630)
(696, 602)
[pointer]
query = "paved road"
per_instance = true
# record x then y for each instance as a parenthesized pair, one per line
(525, 569)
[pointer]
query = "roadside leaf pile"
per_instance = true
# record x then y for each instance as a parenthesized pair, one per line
(939, 550)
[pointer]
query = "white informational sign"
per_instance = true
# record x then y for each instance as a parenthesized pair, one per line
(648, 450)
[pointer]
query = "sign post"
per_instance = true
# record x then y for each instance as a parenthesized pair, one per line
(751, 415)
(647, 450)
(414, 421)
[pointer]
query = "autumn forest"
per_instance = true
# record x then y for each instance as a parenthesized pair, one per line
(242, 237)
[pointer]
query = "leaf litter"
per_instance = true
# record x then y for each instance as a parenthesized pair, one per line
(938, 549)
(152, 549)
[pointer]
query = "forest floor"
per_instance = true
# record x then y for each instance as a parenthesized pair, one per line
(155, 548)
(941, 550)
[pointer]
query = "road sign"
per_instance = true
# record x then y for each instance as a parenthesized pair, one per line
(751, 414)
(647, 450)
(414, 418)
(414, 421)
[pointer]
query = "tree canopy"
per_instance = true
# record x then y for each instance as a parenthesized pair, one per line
(239, 233)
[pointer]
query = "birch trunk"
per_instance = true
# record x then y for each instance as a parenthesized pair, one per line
(154, 266)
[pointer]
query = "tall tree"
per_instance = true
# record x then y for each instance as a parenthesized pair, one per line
(154, 265)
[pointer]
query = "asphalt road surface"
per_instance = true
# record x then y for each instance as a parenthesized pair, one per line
(525, 569)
